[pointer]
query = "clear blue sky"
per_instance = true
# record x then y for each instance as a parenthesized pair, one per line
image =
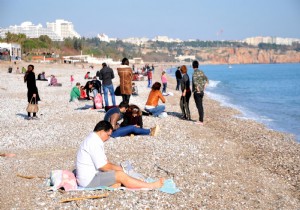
(184, 19)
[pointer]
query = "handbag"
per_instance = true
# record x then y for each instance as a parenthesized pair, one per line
(118, 91)
(32, 108)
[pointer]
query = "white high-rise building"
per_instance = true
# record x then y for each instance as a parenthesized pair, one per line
(270, 40)
(64, 29)
(56, 31)
(30, 30)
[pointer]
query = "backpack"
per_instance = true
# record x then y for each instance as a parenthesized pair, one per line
(98, 101)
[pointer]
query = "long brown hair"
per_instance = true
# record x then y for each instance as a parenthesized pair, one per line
(183, 69)
(28, 71)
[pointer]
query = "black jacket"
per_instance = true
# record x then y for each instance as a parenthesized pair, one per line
(31, 86)
(178, 74)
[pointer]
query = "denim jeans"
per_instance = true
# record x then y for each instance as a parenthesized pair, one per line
(164, 88)
(126, 130)
(157, 110)
(149, 83)
(111, 90)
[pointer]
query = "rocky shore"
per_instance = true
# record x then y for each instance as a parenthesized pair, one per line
(228, 163)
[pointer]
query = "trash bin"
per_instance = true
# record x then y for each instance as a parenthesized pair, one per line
(9, 69)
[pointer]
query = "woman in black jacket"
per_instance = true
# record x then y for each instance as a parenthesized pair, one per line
(32, 93)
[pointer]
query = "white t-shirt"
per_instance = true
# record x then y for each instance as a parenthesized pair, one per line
(90, 157)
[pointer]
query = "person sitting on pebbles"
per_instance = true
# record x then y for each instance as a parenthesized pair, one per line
(152, 102)
(133, 116)
(115, 114)
(93, 168)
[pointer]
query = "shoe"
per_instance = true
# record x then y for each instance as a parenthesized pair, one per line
(183, 117)
(28, 118)
(163, 115)
(198, 123)
(154, 131)
(35, 118)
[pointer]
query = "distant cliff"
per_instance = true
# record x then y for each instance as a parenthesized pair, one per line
(247, 55)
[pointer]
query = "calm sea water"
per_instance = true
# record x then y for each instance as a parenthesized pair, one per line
(267, 93)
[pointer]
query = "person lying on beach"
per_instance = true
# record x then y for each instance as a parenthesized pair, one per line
(115, 114)
(152, 101)
(93, 168)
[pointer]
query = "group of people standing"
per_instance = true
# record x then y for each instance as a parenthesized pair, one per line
(199, 83)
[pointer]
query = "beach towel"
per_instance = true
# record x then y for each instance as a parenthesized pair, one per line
(66, 179)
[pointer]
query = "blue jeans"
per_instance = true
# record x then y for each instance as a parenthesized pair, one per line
(111, 90)
(126, 130)
(149, 83)
(164, 88)
(157, 110)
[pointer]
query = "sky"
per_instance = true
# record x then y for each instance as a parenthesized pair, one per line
(183, 19)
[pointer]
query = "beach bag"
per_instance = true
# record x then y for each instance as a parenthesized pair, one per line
(32, 108)
(118, 91)
(98, 101)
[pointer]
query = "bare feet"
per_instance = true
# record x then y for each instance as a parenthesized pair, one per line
(158, 184)
(116, 185)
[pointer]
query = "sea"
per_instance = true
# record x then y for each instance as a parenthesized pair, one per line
(266, 93)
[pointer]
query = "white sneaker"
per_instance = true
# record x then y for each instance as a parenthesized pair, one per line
(163, 115)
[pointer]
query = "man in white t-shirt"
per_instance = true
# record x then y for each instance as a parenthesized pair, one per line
(94, 170)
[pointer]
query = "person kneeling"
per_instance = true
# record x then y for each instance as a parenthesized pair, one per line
(94, 170)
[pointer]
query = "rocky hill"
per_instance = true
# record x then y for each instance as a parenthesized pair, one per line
(248, 55)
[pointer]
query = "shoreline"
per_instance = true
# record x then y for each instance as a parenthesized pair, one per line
(227, 163)
(244, 112)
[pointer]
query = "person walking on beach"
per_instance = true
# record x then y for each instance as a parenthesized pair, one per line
(106, 74)
(164, 82)
(199, 81)
(116, 114)
(186, 94)
(125, 74)
(178, 77)
(32, 94)
(93, 168)
(71, 80)
(149, 75)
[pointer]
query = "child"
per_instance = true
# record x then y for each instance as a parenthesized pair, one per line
(164, 82)
(134, 89)
(72, 80)
(75, 93)
(83, 95)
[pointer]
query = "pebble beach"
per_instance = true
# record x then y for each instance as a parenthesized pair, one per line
(229, 163)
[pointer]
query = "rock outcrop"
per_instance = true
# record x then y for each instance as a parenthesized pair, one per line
(247, 55)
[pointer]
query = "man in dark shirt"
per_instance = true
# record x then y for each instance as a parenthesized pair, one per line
(106, 74)
(178, 77)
